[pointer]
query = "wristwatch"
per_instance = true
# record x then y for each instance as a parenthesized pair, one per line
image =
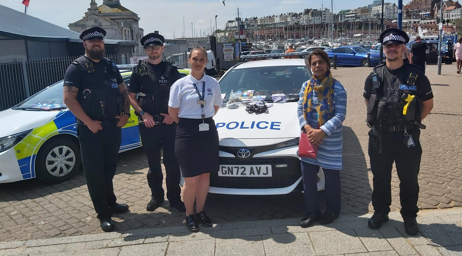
(142, 112)
(126, 113)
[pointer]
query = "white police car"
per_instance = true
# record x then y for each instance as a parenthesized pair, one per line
(38, 137)
(258, 152)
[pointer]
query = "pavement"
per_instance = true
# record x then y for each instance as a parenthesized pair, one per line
(31, 210)
(440, 234)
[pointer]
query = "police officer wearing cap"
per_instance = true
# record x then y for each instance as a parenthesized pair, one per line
(398, 98)
(149, 94)
(96, 94)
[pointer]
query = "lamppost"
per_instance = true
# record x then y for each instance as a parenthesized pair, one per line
(216, 28)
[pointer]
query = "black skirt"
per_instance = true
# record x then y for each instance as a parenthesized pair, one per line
(196, 151)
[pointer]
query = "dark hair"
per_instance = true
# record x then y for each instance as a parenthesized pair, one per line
(198, 48)
(417, 38)
(319, 53)
(459, 40)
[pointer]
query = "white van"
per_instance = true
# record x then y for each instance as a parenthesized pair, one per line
(180, 60)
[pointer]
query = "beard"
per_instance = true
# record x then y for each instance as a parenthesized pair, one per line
(392, 59)
(155, 57)
(96, 54)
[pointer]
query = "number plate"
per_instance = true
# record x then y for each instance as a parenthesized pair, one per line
(245, 171)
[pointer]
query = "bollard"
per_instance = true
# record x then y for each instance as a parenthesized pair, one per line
(369, 59)
(335, 61)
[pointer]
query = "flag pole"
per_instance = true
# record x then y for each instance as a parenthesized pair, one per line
(25, 9)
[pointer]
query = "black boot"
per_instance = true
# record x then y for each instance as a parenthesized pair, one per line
(376, 221)
(309, 220)
(119, 208)
(411, 226)
(153, 204)
(107, 225)
(328, 217)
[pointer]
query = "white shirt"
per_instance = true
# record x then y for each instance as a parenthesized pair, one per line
(183, 95)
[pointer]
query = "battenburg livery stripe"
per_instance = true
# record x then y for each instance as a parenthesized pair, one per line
(93, 34)
(151, 40)
(392, 37)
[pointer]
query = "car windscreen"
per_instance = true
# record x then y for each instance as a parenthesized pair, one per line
(277, 51)
(50, 98)
(360, 50)
(264, 82)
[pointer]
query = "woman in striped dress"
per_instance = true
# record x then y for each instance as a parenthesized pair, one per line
(321, 111)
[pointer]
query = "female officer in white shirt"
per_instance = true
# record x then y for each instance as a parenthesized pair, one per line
(194, 100)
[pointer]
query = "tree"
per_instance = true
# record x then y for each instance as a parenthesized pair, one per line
(458, 24)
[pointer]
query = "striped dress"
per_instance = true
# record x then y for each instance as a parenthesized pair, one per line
(330, 151)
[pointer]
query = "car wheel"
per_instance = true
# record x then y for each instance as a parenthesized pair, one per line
(331, 62)
(364, 63)
(58, 160)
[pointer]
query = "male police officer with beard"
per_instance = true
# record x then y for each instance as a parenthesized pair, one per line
(398, 97)
(96, 94)
(149, 93)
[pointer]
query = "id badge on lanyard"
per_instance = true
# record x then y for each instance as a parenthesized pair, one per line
(203, 127)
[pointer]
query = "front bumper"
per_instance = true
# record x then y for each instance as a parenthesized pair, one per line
(9, 167)
(286, 176)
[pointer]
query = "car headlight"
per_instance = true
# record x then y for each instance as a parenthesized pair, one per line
(288, 143)
(10, 141)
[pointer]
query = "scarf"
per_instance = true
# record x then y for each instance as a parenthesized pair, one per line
(325, 92)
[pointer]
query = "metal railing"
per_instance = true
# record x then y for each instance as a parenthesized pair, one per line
(21, 79)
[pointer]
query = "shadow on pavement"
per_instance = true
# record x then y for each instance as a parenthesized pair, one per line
(128, 163)
(356, 190)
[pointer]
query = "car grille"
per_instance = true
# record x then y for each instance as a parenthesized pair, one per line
(282, 176)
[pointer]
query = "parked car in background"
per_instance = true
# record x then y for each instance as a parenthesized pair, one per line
(353, 56)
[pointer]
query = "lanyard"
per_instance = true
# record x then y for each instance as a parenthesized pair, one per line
(201, 97)
(201, 100)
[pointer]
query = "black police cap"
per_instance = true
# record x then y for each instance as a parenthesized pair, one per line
(393, 36)
(93, 33)
(152, 39)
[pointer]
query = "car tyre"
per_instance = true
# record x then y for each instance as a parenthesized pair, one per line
(58, 160)
(364, 63)
(331, 62)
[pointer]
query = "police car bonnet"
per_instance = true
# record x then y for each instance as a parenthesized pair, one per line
(93, 33)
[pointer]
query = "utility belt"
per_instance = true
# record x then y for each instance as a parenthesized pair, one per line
(104, 123)
(399, 128)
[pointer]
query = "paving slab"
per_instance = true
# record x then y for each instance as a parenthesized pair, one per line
(144, 250)
(336, 242)
(100, 252)
(372, 239)
(188, 248)
(252, 246)
(288, 244)
(399, 244)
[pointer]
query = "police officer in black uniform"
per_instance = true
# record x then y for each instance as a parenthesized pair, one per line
(96, 94)
(398, 97)
(149, 93)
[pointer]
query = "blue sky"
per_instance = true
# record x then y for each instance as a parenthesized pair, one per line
(167, 16)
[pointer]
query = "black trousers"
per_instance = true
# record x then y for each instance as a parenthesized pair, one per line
(407, 162)
(99, 158)
(332, 189)
(154, 139)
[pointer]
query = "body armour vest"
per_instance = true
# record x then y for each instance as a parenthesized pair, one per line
(99, 93)
(155, 99)
(393, 100)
